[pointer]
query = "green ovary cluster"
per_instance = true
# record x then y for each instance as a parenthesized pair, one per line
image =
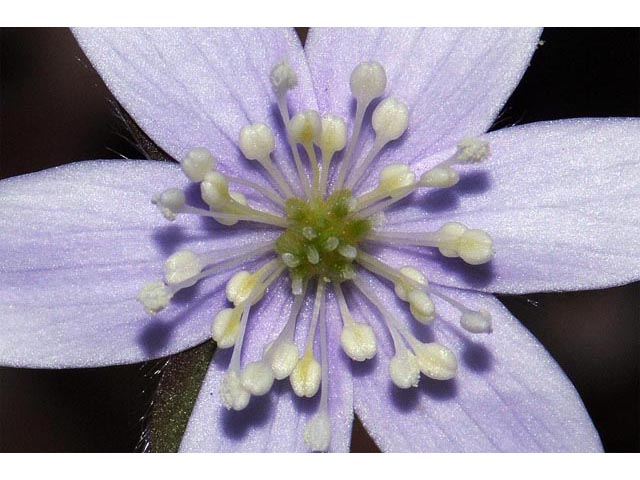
(322, 237)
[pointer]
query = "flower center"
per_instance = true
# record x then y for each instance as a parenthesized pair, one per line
(321, 239)
(324, 227)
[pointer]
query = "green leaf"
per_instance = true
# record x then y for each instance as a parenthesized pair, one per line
(182, 377)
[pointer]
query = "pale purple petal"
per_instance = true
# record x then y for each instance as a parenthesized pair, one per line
(509, 394)
(560, 199)
(274, 422)
(78, 242)
(198, 87)
(455, 81)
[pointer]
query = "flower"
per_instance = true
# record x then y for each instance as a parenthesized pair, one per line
(197, 107)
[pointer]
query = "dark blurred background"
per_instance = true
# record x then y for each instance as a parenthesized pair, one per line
(56, 110)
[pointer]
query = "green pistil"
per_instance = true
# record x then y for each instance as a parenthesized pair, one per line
(321, 237)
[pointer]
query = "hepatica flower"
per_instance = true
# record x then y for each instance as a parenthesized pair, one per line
(337, 223)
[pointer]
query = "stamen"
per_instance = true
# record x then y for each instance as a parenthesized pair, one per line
(434, 360)
(368, 81)
(357, 339)
(473, 321)
(476, 322)
(306, 129)
(282, 354)
(409, 285)
(214, 190)
(257, 378)
(267, 192)
(235, 395)
(306, 376)
(283, 78)
(317, 433)
(390, 120)
(257, 143)
(170, 202)
(469, 151)
(282, 357)
(321, 241)
(224, 329)
(154, 297)
(230, 207)
(244, 284)
(181, 267)
(403, 367)
(421, 306)
(332, 139)
(394, 181)
(401, 288)
(197, 164)
(453, 239)
(251, 215)
(439, 177)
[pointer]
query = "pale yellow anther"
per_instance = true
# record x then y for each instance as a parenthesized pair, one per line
(358, 341)
(404, 370)
(421, 306)
(368, 81)
(439, 177)
(394, 177)
(471, 150)
(402, 288)
(475, 247)
(215, 190)
(472, 245)
(282, 356)
(181, 267)
(197, 164)
(224, 329)
(154, 296)
(241, 284)
(305, 128)
(306, 376)
(390, 119)
(256, 141)
(333, 136)
(170, 202)
(283, 77)
(476, 321)
(234, 395)
(234, 199)
(257, 378)
(449, 235)
(317, 433)
(436, 361)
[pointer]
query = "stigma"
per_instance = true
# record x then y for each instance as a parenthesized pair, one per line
(326, 226)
